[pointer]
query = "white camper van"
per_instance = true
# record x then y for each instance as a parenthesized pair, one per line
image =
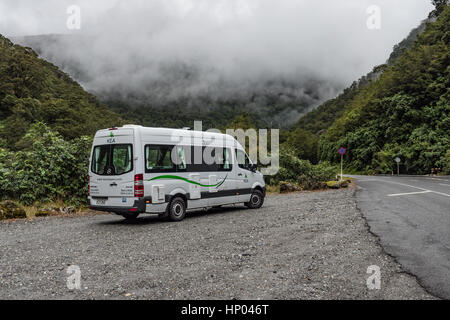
(135, 170)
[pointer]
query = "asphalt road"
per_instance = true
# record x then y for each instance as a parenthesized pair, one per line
(313, 245)
(411, 216)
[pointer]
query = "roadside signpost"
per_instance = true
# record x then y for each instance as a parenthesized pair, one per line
(342, 152)
(398, 160)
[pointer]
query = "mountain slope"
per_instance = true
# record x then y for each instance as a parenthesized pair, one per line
(170, 92)
(321, 118)
(33, 90)
(404, 113)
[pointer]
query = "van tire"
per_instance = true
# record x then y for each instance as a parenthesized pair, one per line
(130, 216)
(256, 200)
(177, 209)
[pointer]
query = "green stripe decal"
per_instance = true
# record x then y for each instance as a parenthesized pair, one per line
(170, 177)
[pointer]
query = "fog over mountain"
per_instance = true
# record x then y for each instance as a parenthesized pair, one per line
(278, 58)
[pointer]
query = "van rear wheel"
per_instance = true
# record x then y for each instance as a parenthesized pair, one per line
(256, 200)
(177, 209)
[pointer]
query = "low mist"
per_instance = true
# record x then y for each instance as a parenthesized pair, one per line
(159, 51)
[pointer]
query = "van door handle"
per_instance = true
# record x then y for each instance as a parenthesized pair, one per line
(240, 175)
(113, 184)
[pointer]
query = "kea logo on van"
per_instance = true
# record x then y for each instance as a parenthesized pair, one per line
(111, 139)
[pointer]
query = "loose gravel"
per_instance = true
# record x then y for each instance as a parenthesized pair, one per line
(298, 246)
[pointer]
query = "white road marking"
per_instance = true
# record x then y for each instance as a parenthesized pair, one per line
(414, 187)
(409, 193)
(437, 179)
(443, 184)
(407, 185)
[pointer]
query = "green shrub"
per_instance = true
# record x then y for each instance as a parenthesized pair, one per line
(337, 184)
(447, 163)
(334, 184)
(48, 169)
(302, 172)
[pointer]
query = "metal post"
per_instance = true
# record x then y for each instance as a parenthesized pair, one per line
(342, 161)
(398, 160)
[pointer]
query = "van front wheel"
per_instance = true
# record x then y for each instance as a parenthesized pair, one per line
(256, 200)
(177, 209)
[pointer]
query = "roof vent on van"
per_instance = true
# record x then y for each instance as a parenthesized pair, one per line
(131, 126)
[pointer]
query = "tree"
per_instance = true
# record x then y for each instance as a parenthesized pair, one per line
(402, 113)
(49, 168)
(439, 5)
(303, 144)
(33, 90)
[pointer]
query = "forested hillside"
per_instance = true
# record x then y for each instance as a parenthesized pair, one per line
(404, 113)
(400, 109)
(33, 90)
(174, 93)
(323, 117)
(306, 132)
(47, 122)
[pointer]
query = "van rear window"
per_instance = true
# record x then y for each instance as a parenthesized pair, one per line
(113, 159)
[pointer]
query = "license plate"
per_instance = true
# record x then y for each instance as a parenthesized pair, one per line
(101, 202)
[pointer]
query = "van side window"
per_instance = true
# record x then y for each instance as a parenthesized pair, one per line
(158, 158)
(181, 158)
(197, 161)
(224, 159)
(169, 158)
(242, 160)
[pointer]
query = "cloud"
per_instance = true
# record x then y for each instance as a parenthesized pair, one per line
(173, 47)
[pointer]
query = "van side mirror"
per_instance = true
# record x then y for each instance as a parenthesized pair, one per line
(253, 167)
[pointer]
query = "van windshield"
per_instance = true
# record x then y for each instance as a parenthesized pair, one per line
(113, 159)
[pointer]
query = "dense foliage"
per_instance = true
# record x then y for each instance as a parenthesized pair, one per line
(302, 143)
(302, 172)
(404, 113)
(44, 162)
(32, 90)
(399, 109)
(439, 7)
(49, 168)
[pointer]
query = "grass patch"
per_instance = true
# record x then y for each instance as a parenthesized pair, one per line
(273, 188)
(31, 211)
(55, 208)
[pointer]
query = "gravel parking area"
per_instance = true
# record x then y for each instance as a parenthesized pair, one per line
(298, 246)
